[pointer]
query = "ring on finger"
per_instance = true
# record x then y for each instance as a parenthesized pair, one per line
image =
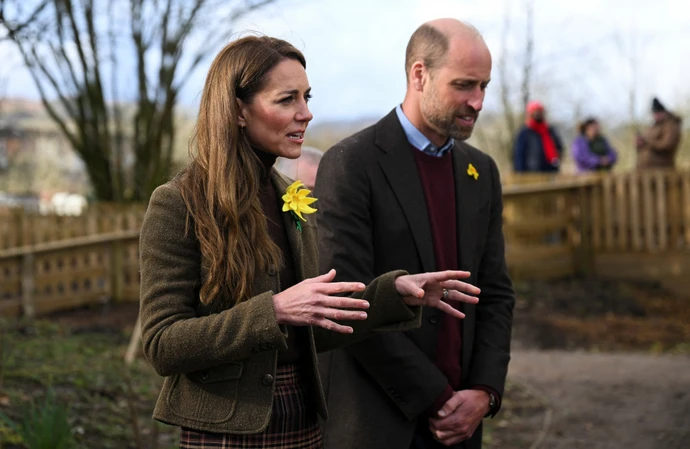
(445, 293)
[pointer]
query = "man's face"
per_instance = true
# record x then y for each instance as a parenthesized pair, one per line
(454, 92)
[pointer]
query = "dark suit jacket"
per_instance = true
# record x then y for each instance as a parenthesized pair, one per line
(372, 219)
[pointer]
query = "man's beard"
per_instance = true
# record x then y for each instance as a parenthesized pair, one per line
(444, 121)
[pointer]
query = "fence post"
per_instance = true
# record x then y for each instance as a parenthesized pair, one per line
(117, 276)
(584, 253)
(28, 306)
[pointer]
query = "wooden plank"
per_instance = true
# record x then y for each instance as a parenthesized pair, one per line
(596, 218)
(48, 305)
(621, 212)
(686, 208)
(70, 244)
(554, 186)
(28, 306)
(607, 186)
(671, 268)
(648, 212)
(10, 307)
(583, 253)
(554, 270)
(661, 208)
(635, 212)
(520, 253)
(675, 211)
(538, 225)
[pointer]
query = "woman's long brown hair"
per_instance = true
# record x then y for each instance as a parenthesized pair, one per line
(221, 185)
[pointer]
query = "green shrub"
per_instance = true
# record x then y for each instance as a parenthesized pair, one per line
(44, 424)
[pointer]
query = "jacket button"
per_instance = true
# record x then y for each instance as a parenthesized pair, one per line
(433, 319)
(267, 379)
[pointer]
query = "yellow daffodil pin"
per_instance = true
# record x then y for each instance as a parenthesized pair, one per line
(297, 202)
(471, 171)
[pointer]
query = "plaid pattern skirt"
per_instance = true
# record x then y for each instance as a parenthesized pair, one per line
(293, 424)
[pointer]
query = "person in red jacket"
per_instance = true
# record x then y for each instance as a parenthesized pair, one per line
(538, 147)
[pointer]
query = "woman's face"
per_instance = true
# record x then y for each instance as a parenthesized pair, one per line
(277, 117)
(592, 130)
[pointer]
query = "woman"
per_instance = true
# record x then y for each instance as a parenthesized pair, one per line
(230, 297)
(591, 150)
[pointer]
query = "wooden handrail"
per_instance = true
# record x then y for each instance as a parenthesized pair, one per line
(556, 186)
(78, 242)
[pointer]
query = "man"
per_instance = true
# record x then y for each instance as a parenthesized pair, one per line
(408, 193)
(538, 147)
(657, 147)
(303, 168)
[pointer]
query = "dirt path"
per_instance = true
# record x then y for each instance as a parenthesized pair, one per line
(609, 401)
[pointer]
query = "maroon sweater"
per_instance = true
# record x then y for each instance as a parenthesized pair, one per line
(438, 183)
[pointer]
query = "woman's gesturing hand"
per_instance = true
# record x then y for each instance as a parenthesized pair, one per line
(435, 288)
(310, 303)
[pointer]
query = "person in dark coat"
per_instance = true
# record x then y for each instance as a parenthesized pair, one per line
(657, 147)
(538, 147)
(409, 192)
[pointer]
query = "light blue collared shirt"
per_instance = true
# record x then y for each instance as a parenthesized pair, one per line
(419, 140)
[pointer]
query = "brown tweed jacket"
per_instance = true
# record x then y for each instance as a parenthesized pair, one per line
(219, 363)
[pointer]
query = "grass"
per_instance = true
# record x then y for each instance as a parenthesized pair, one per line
(78, 379)
(85, 370)
(43, 425)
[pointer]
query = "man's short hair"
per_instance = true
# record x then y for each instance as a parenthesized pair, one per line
(427, 44)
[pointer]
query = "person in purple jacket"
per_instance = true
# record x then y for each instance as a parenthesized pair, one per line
(591, 150)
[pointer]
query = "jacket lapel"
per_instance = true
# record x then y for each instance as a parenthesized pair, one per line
(280, 183)
(401, 172)
(467, 199)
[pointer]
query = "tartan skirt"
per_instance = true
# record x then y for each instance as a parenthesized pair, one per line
(293, 424)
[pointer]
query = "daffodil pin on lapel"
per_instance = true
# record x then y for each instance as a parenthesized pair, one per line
(297, 202)
(471, 171)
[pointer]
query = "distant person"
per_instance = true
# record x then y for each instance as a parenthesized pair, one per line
(303, 168)
(657, 147)
(591, 150)
(538, 147)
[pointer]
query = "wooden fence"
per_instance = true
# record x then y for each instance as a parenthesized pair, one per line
(49, 263)
(620, 225)
(629, 225)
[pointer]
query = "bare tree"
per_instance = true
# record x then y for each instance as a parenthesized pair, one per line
(89, 57)
(529, 53)
(508, 91)
(506, 101)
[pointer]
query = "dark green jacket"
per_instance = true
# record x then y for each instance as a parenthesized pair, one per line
(220, 363)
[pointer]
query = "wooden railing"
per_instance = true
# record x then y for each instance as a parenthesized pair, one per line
(49, 263)
(557, 226)
(632, 224)
(18, 228)
(47, 277)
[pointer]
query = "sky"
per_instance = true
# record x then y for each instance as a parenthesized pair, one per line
(589, 55)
